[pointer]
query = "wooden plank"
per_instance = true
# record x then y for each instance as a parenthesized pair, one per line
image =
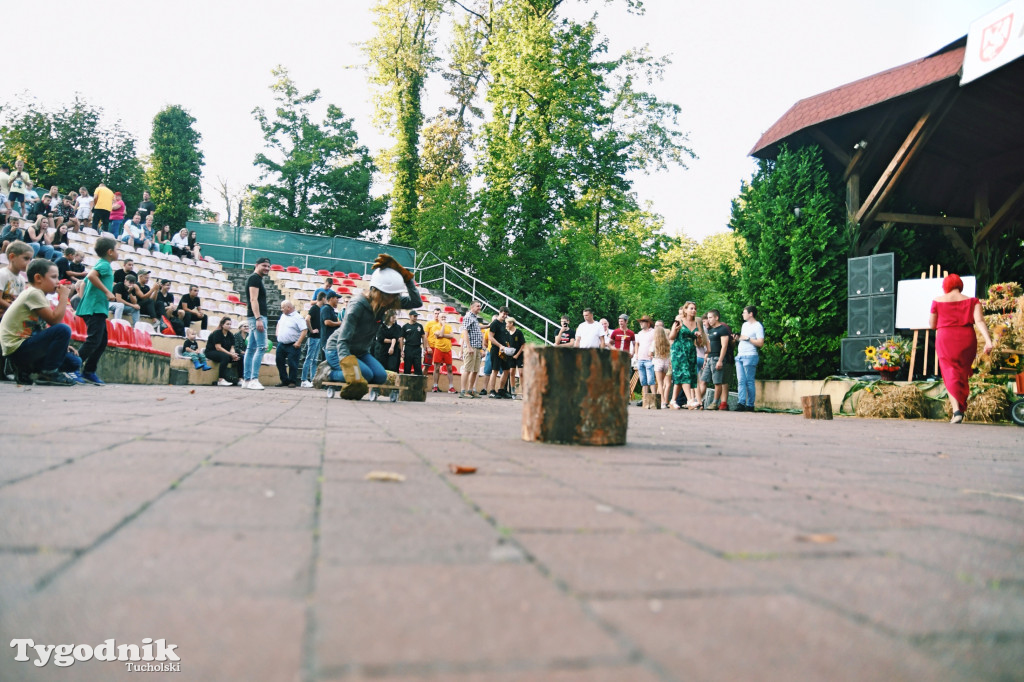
(852, 197)
(878, 133)
(1006, 213)
(829, 144)
(960, 245)
(908, 151)
(875, 239)
(926, 219)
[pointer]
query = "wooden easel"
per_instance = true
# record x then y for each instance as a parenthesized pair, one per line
(933, 271)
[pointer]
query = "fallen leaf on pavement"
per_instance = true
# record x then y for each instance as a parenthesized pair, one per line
(817, 538)
(192, 391)
(385, 476)
(459, 470)
(159, 399)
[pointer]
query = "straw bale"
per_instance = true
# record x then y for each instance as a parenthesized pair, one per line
(988, 407)
(893, 402)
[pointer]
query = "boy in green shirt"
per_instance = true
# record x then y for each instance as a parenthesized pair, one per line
(24, 336)
(93, 309)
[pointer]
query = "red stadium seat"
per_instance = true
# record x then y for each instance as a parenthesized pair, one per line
(344, 291)
(339, 275)
(354, 275)
(426, 299)
(450, 309)
(234, 298)
(348, 282)
(324, 273)
(293, 269)
(277, 268)
(112, 338)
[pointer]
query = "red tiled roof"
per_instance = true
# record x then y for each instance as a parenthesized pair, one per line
(862, 94)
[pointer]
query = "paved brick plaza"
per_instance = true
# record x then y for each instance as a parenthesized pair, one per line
(238, 526)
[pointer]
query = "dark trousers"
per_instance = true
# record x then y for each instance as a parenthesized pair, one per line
(413, 360)
(100, 219)
(189, 318)
(224, 364)
(154, 309)
(45, 351)
(288, 363)
(95, 343)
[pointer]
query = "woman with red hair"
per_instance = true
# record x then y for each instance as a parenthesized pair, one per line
(953, 317)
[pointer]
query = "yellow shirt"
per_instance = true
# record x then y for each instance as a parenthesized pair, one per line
(444, 345)
(431, 328)
(104, 199)
(21, 321)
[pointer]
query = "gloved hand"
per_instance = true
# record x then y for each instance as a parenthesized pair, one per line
(386, 261)
(356, 385)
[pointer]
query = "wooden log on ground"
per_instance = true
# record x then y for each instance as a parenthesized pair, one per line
(652, 401)
(412, 388)
(575, 395)
(817, 406)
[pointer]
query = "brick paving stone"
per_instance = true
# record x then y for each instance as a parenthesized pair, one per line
(635, 564)
(571, 513)
(742, 537)
(590, 674)
(766, 638)
(401, 615)
(256, 449)
(21, 571)
(916, 600)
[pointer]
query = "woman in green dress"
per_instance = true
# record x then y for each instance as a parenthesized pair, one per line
(684, 335)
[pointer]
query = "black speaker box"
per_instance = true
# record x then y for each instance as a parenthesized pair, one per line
(858, 316)
(858, 276)
(883, 274)
(853, 359)
(883, 315)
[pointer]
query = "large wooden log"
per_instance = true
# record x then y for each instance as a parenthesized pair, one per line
(575, 395)
(652, 401)
(412, 388)
(817, 406)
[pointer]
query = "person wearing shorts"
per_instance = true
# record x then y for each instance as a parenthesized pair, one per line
(645, 357)
(443, 353)
(472, 349)
(713, 372)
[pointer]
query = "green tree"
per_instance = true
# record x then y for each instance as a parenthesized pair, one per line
(706, 273)
(175, 166)
(793, 266)
(317, 177)
(70, 147)
(401, 57)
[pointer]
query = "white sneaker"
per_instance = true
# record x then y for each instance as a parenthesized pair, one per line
(244, 383)
(223, 382)
(255, 385)
(306, 384)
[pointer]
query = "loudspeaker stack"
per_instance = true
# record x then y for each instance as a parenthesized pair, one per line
(870, 307)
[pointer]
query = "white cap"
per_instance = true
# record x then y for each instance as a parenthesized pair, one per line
(388, 281)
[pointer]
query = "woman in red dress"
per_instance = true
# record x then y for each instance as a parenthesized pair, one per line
(953, 317)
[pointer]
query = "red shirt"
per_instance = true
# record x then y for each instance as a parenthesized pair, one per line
(623, 339)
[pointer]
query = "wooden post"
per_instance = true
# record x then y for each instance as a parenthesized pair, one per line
(817, 406)
(575, 395)
(412, 388)
(652, 401)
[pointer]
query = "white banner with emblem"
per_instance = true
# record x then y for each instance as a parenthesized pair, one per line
(994, 40)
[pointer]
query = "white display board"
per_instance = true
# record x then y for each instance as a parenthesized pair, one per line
(914, 300)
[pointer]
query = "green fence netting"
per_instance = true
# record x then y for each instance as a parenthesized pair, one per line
(241, 246)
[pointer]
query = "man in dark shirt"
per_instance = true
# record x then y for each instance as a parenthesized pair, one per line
(329, 318)
(64, 265)
(124, 293)
(713, 371)
(164, 306)
(412, 344)
(145, 208)
(312, 356)
(256, 311)
(565, 335)
(499, 338)
(191, 308)
(127, 268)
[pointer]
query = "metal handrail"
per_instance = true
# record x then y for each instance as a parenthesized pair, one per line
(474, 288)
(367, 265)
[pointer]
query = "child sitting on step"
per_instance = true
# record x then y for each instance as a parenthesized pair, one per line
(190, 350)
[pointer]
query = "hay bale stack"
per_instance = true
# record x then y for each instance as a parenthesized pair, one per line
(988, 407)
(893, 402)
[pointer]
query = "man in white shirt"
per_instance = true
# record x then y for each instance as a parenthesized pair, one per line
(644, 356)
(291, 333)
(179, 243)
(131, 233)
(590, 333)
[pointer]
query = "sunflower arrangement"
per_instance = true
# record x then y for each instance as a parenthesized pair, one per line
(891, 355)
(1002, 298)
(1005, 320)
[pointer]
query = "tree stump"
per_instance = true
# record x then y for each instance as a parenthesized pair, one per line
(412, 388)
(817, 406)
(575, 395)
(652, 401)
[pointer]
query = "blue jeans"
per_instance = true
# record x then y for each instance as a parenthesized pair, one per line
(312, 355)
(746, 367)
(46, 351)
(372, 370)
(255, 350)
(41, 250)
(115, 227)
(646, 370)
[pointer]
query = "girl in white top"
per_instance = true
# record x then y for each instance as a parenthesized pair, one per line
(83, 204)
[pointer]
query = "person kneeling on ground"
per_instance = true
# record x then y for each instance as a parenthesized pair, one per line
(348, 351)
(26, 341)
(190, 350)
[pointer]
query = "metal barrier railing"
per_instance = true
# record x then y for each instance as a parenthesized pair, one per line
(448, 278)
(290, 258)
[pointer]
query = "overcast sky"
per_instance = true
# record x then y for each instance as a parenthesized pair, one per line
(737, 67)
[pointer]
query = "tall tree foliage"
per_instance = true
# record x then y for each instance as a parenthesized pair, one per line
(794, 266)
(316, 176)
(70, 147)
(401, 56)
(175, 166)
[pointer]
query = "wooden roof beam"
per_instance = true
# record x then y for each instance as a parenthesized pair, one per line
(862, 156)
(927, 220)
(1007, 212)
(913, 144)
(829, 144)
